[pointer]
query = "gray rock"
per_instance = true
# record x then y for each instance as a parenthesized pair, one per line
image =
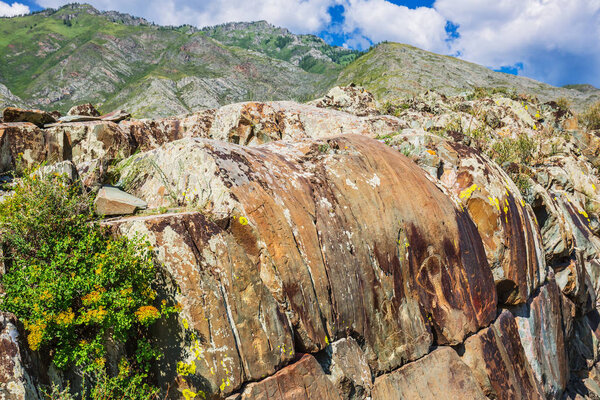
(113, 201)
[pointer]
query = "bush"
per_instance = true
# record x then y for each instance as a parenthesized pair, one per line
(591, 117)
(520, 150)
(74, 287)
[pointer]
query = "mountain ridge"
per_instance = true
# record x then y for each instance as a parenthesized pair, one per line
(57, 58)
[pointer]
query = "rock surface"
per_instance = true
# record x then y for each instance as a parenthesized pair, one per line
(36, 117)
(113, 201)
(84, 109)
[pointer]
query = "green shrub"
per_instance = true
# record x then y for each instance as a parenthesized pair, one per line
(74, 287)
(520, 150)
(563, 103)
(591, 117)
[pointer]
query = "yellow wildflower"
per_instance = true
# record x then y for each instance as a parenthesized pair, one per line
(243, 220)
(147, 314)
(36, 335)
(65, 317)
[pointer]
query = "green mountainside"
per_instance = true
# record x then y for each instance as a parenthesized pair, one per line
(55, 59)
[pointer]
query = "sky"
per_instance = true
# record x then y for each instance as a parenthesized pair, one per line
(554, 41)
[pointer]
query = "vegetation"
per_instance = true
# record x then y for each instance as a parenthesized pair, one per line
(78, 290)
(590, 118)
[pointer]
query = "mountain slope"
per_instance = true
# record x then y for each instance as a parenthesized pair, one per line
(76, 54)
(392, 70)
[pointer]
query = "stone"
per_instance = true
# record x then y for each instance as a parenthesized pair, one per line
(113, 201)
(63, 168)
(241, 332)
(86, 141)
(306, 210)
(498, 361)
(15, 381)
(351, 99)
(507, 225)
(439, 375)
(21, 143)
(116, 116)
(540, 325)
(302, 380)
(36, 117)
(84, 109)
(347, 367)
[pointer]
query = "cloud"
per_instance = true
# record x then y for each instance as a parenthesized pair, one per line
(301, 16)
(10, 10)
(555, 40)
(378, 20)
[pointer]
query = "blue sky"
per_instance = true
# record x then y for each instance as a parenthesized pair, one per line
(554, 41)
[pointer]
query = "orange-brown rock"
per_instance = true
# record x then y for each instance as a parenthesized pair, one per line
(439, 375)
(302, 380)
(348, 235)
(506, 224)
(21, 142)
(36, 117)
(498, 361)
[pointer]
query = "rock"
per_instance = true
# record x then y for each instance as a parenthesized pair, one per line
(88, 141)
(242, 331)
(506, 224)
(21, 142)
(113, 201)
(84, 109)
(15, 381)
(498, 361)
(64, 168)
(116, 116)
(346, 366)
(385, 276)
(36, 117)
(439, 375)
(351, 99)
(541, 332)
(302, 380)
(75, 118)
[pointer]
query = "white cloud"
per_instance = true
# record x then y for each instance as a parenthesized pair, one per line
(550, 37)
(10, 10)
(300, 16)
(380, 20)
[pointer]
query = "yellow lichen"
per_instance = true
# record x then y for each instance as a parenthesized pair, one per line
(465, 194)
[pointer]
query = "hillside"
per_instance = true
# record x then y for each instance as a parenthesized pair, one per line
(55, 59)
(392, 70)
(58, 58)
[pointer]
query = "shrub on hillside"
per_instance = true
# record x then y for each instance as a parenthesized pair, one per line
(591, 117)
(76, 288)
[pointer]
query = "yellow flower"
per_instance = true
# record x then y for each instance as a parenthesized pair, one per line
(36, 335)
(147, 314)
(65, 317)
(91, 298)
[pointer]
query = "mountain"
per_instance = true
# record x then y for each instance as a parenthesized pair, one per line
(55, 59)
(392, 70)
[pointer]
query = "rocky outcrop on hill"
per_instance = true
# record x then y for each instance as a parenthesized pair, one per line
(449, 250)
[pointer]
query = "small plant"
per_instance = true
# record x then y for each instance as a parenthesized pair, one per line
(591, 117)
(563, 104)
(520, 150)
(76, 288)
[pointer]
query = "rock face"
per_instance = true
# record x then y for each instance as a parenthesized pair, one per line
(313, 261)
(330, 275)
(113, 201)
(84, 109)
(440, 374)
(15, 382)
(36, 117)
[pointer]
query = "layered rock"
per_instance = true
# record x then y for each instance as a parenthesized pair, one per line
(294, 229)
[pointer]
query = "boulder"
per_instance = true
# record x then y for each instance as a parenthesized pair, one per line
(302, 380)
(351, 99)
(84, 109)
(540, 327)
(113, 201)
(21, 142)
(498, 361)
(75, 118)
(439, 375)
(63, 168)
(507, 225)
(36, 117)
(303, 213)
(87, 141)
